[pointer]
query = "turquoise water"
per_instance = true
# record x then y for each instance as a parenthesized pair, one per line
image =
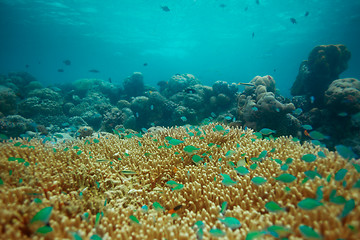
(228, 40)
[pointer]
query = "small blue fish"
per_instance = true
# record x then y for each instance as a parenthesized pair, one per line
(317, 135)
(183, 118)
(342, 114)
(227, 181)
(307, 127)
(267, 131)
(151, 107)
(312, 99)
(231, 222)
(137, 115)
(345, 152)
(298, 111)
(228, 118)
(255, 109)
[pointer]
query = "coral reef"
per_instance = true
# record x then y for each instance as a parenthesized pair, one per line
(15, 125)
(177, 183)
(84, 131)
(259, 107)
(7, 101)
(134, 85)
(343, 95)
(177, 83)
(324, 65)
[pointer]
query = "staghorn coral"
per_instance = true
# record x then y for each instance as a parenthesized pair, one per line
(110, 178)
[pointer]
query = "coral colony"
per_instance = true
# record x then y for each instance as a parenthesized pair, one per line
(93, 160)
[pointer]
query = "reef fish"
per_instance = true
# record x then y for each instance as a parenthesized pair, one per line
(317, 135)
(267, 131)
(293, 20)
(165, 8)
(246, 84)
(309, 233)
(231, 222)
(67, 62)
(94, 71)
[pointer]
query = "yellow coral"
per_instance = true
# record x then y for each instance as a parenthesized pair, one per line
(112, 178)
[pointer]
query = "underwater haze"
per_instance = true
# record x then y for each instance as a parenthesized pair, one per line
(229, 40)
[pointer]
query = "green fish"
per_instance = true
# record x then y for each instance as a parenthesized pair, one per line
(339, 175)
(348, 207)
(309, 232)
(309, 204)
(190, 149)
(175, 142)
(231, 222)
(158, 207)
(308, 158)
(196, 159)
(241, 170)
(227, 181)
(273, 207)
(345, 152)
(44, 229)
(42, 216)
(267, 131)
(258, 180)
(317, 135)
(134, 219)
(285, 177)
(217, 232)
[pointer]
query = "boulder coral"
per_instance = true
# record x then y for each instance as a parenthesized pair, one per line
(325, 63)
(134, 85)
(343, 95)
(259, 107)
(177, 183)
(7, 101)
(178, 83)
(15, 125)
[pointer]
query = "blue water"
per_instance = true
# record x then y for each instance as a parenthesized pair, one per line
(202, 37)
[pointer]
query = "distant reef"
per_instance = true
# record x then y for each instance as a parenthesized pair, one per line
(324, 109)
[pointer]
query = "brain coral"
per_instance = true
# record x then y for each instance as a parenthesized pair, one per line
(343, 95)
(170, 184)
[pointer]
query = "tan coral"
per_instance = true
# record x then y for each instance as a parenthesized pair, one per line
(98, 173)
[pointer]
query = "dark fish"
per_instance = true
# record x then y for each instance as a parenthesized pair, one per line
(190, 90)
(27, 66)
(60, 70)
(246, 8)
(110, 80)
(293, 20)
(145, 64)
(165, 8)
(306, 14)
(274, 69)
(94, 71)
(222, 5)
(257, 2)
(253, 35)
(67, 62)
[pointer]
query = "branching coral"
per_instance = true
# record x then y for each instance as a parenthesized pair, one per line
(100, 186)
